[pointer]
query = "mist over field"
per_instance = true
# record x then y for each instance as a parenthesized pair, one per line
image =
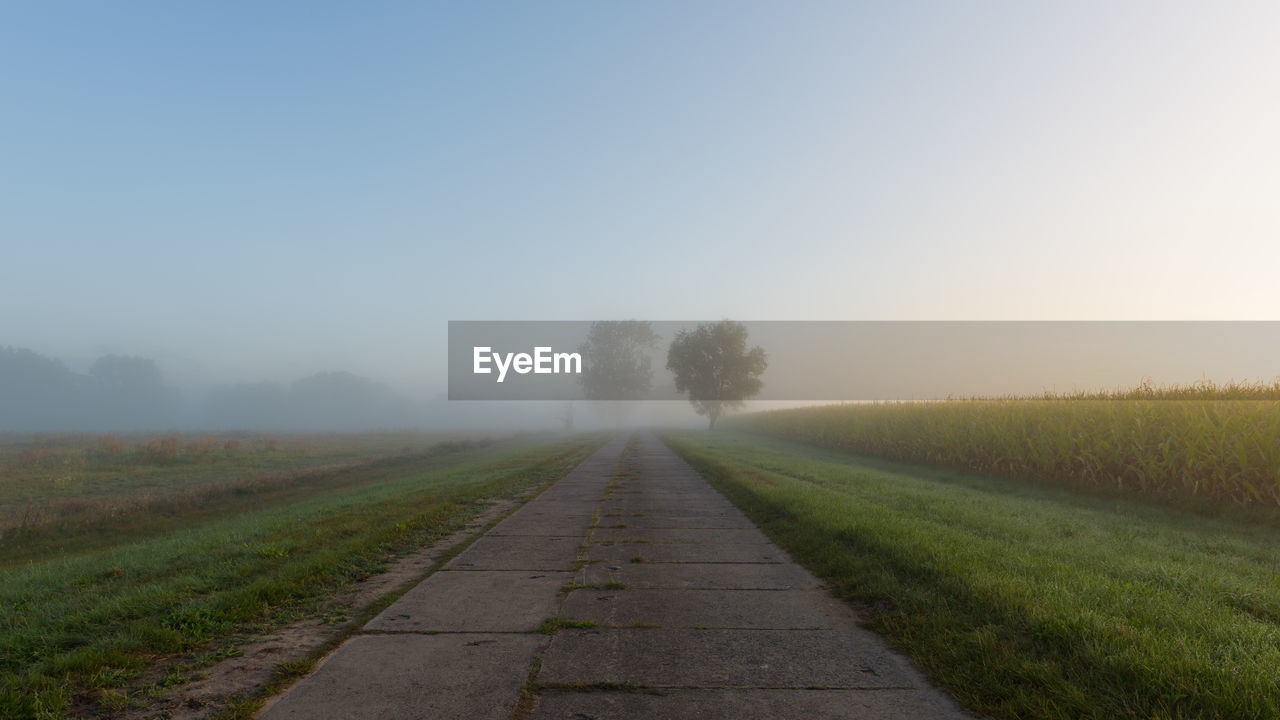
(132, 394)
(807, 362)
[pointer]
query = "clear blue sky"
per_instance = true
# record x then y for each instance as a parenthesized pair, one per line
(267, 189)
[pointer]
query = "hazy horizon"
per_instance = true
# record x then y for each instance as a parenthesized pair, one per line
(808, 362)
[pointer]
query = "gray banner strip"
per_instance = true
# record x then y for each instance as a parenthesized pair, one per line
(867, 360)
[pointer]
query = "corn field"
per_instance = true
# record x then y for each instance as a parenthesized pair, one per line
(1216, 448)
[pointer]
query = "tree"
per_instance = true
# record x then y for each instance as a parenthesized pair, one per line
(714, 367)
(341, 400)
(39, 393)
(130, 394)
(615, 364)
(127, 373)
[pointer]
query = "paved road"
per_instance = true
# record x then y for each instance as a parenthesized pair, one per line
(695, 612)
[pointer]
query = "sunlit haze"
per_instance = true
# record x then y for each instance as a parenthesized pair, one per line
(260, 192)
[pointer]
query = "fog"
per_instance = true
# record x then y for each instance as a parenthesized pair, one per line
(808, 362)
(39, 393)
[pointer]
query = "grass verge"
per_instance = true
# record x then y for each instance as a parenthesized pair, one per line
(73, 627)
(1021, 600)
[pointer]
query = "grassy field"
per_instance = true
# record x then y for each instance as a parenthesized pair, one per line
(1026, 601)
(76, 484)
(86, 606)
(1202, 442)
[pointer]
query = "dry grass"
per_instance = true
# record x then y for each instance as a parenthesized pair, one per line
(70, 483)
(1207, 440)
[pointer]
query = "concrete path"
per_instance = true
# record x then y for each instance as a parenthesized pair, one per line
(694, 613)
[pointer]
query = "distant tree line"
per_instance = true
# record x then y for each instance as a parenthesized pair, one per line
(38, 393)
(124, 393)
(324, 401)
(712, 365)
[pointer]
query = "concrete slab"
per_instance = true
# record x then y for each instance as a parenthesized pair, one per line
(476, 601)
(551, 509)
(577, 491)
(667, 553)
(665, 491)
(747, 705)
(644, 520)
(513, 552)
(662, 491)
(653, 482)
(686, 508)
(414, 676)
(712, 576)
(582, 494)
(754, 609)
(689, 509)
(684, 519)
(850, 659)
(604, 533)
(550, 526)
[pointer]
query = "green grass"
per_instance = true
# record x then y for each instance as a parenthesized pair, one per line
(76, 624)
(1025, 601)
(556, 623)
